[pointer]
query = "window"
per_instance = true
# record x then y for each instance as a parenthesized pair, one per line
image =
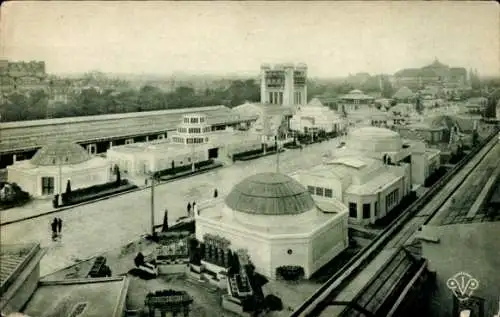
(289, 251)
(202, 120)
(280, 101)
(319, 191)
(328, 192)
(311, 189)
(47, 185)
(366, 211)
(392, 199)
(270, 97)
(353, 210)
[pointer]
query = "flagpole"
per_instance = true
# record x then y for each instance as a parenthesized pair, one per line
(152, 201)
(60, 182)
(277, 155)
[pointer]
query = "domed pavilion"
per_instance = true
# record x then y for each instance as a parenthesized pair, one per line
(278, 222)
(49, 170)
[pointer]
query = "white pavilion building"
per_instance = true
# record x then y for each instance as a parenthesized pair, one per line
(354, 100)
(193, 142)
(371, 173)
(314, 117)
(278, 222)
(49, 170)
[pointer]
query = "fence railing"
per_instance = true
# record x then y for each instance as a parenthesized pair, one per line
(370, 251)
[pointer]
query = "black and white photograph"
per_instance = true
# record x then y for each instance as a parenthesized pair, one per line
(250, 159)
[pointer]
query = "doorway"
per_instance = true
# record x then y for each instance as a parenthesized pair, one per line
(213, 153)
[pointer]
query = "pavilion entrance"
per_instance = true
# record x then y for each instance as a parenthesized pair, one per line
(213, 153)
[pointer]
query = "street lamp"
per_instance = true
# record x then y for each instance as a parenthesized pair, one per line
(59, 165)
(277, 154)
(153, 177)
(192, 154)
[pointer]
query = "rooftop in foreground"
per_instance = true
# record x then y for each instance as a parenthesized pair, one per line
(96, 297)
(12, 258)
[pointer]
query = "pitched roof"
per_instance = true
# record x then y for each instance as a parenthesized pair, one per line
(315, 102)
(12, 258)
(403, 93)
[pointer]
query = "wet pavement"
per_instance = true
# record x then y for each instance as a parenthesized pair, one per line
(92, 229)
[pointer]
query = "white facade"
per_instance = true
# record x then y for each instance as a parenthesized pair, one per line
(46, 181)
(366, 186)
(354, 100)
(424, 161)
(309, 240)
(271, 119)
(314, 116)
(190, 144)
(187, 146)
(357, 175)
(284, 84)
(369, 116)
(144, 158)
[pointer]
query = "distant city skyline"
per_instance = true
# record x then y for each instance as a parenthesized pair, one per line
(229, 38)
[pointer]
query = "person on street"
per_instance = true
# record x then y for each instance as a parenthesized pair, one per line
(59, 225)
(216, 193)
(195, 208)
(53, 225)
(189, 209)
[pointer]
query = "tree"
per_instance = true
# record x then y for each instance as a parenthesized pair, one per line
(418, 105)
(118, 176)
(493, 99)
(55, 201)
(387, 88)
(273, 303)
(68, 187)
(475, 138)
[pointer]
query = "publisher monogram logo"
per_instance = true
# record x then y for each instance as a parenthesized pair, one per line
(462, 285)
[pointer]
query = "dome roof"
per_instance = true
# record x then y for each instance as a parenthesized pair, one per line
(375, 140)
(60, 153)
(403, 93)
(375, 132)
(270, 194)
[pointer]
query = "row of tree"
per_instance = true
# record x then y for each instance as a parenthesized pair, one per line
(37, 104)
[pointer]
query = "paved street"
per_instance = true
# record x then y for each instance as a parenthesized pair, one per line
(101, 226)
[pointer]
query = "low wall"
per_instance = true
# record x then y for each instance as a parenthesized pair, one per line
(232, 306)
(165, 269)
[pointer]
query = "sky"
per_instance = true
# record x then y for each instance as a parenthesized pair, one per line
(333, 38)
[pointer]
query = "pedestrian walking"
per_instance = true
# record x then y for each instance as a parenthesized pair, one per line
(189, 209)
(53, 225)
(216, 193)
(59, 225)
